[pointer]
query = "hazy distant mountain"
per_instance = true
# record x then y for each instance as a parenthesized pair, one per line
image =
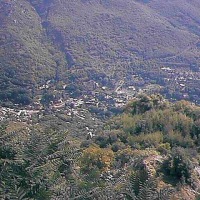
(40, 39)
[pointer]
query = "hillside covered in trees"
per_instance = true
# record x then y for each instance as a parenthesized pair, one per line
(74, 42)
(150, 151)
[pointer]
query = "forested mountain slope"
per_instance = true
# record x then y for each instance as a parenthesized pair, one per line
(111, 35)
(42, 39)
(27, 56)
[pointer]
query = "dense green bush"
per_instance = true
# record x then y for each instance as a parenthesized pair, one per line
(179, 164)
(16, 96)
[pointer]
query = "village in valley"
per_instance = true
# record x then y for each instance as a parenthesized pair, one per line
(98, 102)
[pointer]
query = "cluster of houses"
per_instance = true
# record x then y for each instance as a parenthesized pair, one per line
(20, 115)
(99, 98)
(96, 96)
(183, 81)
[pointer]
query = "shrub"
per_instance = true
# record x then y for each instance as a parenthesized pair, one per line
(95, 157)
(179, 164)
(176, 139)
(147, 140)
(164, 148)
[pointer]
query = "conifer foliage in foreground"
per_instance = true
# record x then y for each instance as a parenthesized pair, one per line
(150, 151)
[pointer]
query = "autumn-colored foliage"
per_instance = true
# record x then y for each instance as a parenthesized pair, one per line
(94, 157)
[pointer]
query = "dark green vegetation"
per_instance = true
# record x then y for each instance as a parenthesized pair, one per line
(149, 151)
(105, 41)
